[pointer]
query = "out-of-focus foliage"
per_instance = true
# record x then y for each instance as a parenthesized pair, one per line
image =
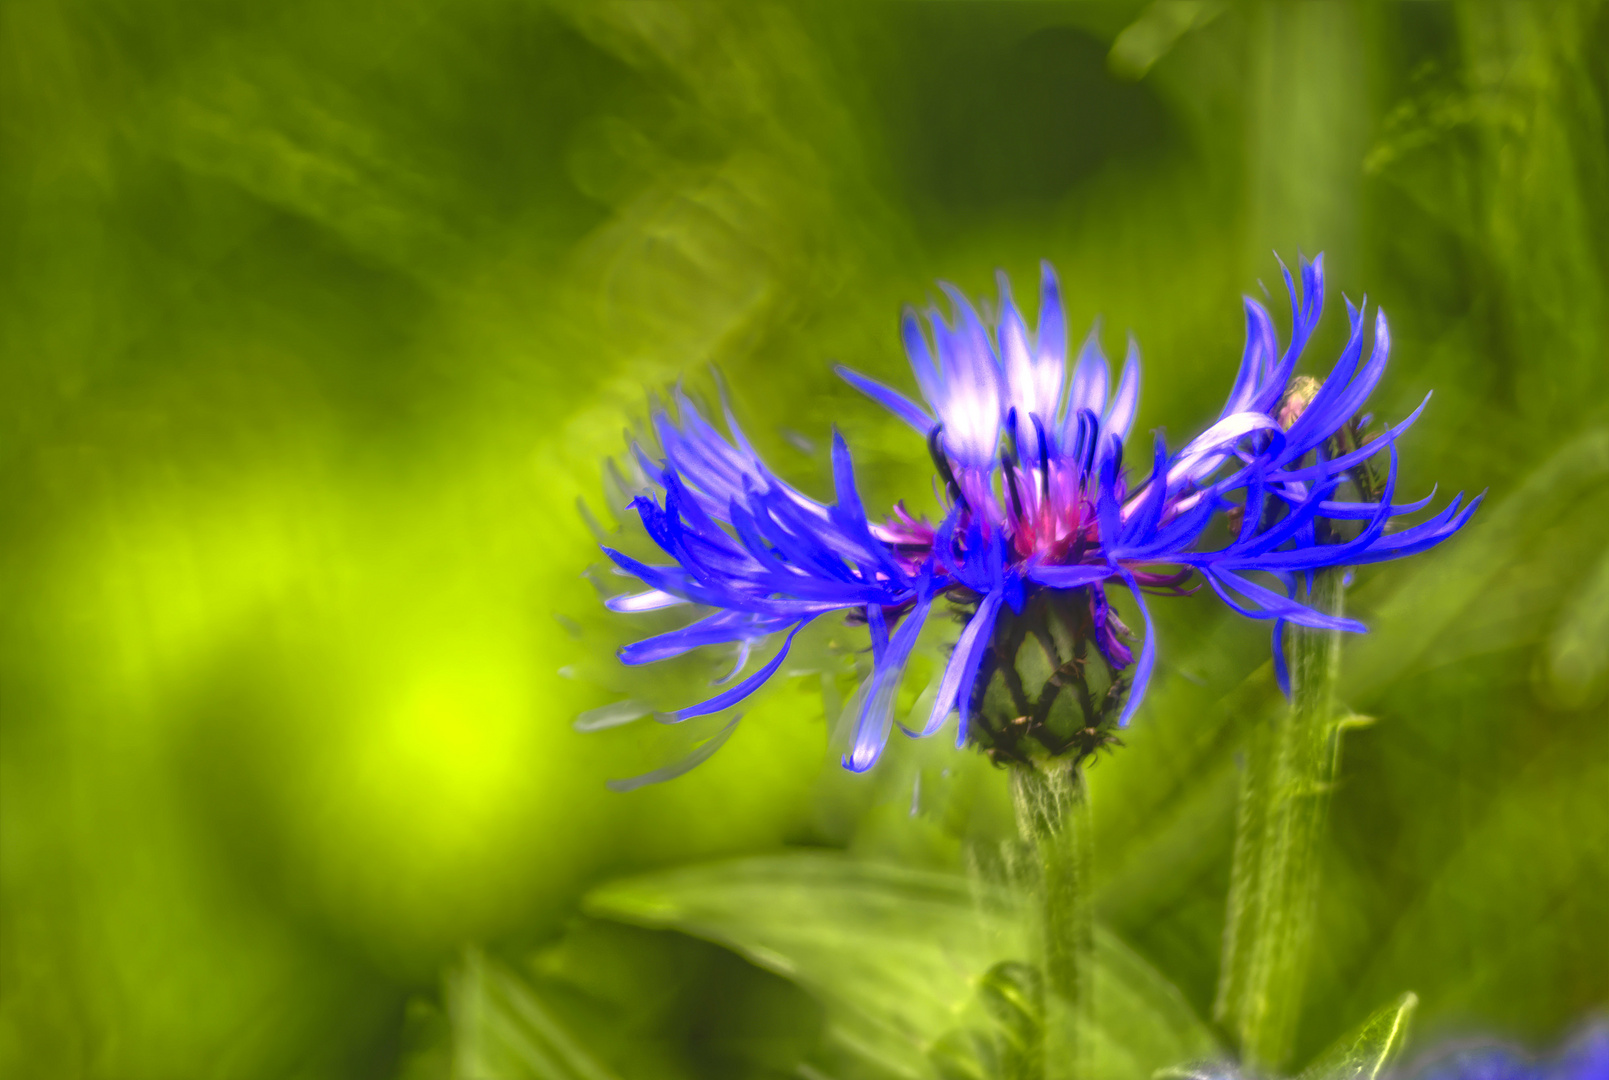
(896, 956)
(912, 967)
(318, 318)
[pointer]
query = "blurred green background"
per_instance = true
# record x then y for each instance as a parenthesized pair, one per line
(317, 320)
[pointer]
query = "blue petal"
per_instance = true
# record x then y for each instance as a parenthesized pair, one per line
(781, 525)
(1356, 511)
(1016, 357)
(674, 579)
(1252, 511)
(1015, 592)
(1260, 348)
(1281, 531)
(985, 618)
(1108, 512)
(962, 670)
(1090, 376)
(1273, 605)
(1320, 418)
(1201, 456)
(1078, 438)
(1142, 670)
(1126, 401)
(652, 600)
(877, 626)
(1412, 541)
(920, 355)
(971, 408)
(1282, 671)
(850, 515)
(1346, 461)
(1176, 536)
(1070, 577)
(1142, 524)
(877, 713)
(1313, 556)
(737, 693)
(741, 661)
(889, 398)
(1305, 311)
(679, 505)
(697, 450)
(1051, 338)
(749, 535)
(1034, 376)
(1358, 390)
(716, 629)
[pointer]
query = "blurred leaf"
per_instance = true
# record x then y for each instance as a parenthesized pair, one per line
(1430, 602)
(889, 950)
(504, 1030)
(1578, 649)
(1160, 26)
(1365, 1053)
(614, 999)
(427, 1042)
(1527, 871)
(1012, 994)
(895, 954)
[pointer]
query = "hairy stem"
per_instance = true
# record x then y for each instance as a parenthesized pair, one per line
(1052, 805)
(1274, 883)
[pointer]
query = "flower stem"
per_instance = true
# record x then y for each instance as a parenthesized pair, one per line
(1052, 805)
(1273, 892)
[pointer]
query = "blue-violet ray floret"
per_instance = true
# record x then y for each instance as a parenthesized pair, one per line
(1036, 499)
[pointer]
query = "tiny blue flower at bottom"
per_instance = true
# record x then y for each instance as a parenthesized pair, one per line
(1584, 1057)
(1037, 498)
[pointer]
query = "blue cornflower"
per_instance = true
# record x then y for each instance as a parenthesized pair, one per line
(1585, 1057)
(1039, 508)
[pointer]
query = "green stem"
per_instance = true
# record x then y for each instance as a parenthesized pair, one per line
(1052, 804)
(1275, 878)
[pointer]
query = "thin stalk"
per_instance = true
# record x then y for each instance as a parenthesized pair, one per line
(1274, 884)
(1052, 805)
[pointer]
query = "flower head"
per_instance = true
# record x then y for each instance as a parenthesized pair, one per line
(1041, 513)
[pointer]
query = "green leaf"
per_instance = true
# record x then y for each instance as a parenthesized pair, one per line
(897, 955)
(1158, 29)
(503, 1029)
(607, 999)
(1364, 1054)
(1578, 648)
(1142, 1021)
(1440, 598)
